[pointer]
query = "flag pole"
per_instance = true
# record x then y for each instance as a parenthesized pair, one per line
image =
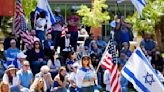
(102, 57)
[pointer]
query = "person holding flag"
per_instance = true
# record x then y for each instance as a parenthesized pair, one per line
(43, 5)
(40, 26)
(112, 75)
(46, 19)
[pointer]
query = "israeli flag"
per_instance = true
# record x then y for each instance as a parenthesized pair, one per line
(141, 74)
(44, 6)
(139, 5)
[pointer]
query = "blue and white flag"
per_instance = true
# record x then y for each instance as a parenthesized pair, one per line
(139, 4)
(141, 74)
(44, 6)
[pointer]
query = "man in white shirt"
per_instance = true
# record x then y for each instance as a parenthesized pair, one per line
(33, 33)
(40, 25)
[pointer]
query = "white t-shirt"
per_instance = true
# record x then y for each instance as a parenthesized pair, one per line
(73, 77)
(84, 74)
(40, 22)
(106, 80)
(15, 80)
(67, 44)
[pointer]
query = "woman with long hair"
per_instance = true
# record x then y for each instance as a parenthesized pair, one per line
(60, 81)
(36, 57)
(54, 65)
(70, 61)
(39, 85)
(11, 78)
(86, 75)
(4, 87)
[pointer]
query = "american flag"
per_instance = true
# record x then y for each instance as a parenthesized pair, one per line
(109, 62)
(64, 30)
(20, 25)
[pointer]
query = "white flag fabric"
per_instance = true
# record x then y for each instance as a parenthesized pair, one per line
(141, 74)
(43, 5)
(120, 1)
(139, 5)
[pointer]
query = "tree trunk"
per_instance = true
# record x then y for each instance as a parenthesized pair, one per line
(160, 34)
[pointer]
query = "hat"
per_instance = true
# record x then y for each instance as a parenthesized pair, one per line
(21, 55)
(75, 65)
(57, 9)
(122, 17)
(12, 41)
(86, 56)
(73, 10)
(11, 67)
(113, 24)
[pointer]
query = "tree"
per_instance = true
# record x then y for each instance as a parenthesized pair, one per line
(28, 6)
(152, 21)
(94, 16)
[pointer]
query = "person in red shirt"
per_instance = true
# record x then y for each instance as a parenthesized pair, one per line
(73, 21)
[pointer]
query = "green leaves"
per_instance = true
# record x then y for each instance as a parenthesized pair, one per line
(94, 16)
(28, 6)
(152, 14)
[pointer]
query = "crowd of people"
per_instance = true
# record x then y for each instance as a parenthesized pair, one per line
(44, 69)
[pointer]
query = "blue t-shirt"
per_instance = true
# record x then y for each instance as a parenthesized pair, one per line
(12, 53)
(124, 34)
(148, 44)
(25, 78)
(69, 62)
(128, 52)
(121, 62)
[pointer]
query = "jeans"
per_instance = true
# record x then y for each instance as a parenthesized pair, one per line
(36, 65)
(15, 89)
(40, 35)
(56, 35)
(87, 89)
(72, 89)
(74, 35)
(61, 90)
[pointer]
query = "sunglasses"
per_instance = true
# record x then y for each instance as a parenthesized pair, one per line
(26, 65)
(76, 67)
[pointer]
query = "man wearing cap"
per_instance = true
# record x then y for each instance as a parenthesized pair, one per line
(73, 21)
(57, 28)
(11, 53)
(19, 60)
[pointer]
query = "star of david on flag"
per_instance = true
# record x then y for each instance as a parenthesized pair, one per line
(141, 74)
(149, 78)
